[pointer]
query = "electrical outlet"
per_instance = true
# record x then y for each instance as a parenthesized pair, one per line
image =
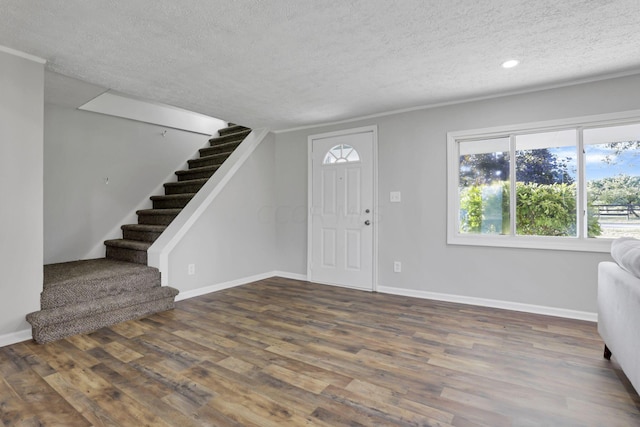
(395, 197)
(397, 266)
(191, 269)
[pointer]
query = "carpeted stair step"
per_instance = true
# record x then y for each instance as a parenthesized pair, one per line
(142, 232)
(157, 216)
(78, 281)
(173, 201)
(196, 173)
(232, 128)
(56, 323)
(191, 186)
(127, 250)
(219, 148)
(229, 137)
(212, 160)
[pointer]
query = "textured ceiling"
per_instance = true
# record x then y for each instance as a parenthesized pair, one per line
(290, 63)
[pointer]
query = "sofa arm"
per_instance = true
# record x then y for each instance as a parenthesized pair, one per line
(619, 317)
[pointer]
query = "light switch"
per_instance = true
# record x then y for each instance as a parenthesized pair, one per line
(394, 197)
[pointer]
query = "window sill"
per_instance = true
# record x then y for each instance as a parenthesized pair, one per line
(534, 242)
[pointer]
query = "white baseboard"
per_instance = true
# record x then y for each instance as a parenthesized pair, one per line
(220, 286)
(483, 302)
(287, 275)
(238, 282)
(15, 337)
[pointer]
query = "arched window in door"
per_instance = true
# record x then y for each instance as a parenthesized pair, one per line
(341, 153)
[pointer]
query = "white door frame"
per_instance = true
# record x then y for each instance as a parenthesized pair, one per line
(376, 215)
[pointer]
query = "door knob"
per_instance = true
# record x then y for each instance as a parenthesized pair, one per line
(367, 222)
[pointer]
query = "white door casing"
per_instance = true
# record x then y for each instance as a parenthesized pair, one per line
(342, 199)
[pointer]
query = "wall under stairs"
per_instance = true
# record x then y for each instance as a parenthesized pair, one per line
(234, 236)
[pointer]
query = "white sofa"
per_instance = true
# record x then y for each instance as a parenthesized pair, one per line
(619, 307)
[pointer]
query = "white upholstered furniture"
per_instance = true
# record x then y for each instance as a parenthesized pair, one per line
(619, 307)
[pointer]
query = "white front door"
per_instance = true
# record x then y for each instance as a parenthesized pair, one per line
(341, 220)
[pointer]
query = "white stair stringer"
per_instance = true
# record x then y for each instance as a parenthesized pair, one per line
(158, 253)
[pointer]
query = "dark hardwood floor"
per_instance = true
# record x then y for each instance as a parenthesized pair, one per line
(283, 352)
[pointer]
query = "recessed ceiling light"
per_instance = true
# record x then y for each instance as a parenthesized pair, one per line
(510, 63)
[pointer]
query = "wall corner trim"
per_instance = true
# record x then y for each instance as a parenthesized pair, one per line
(483, 302)
(158, 253)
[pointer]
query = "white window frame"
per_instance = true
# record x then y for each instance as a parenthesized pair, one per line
(579, 243)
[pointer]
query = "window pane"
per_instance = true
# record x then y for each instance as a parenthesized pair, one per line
(612, 168)
(484, 186)
(341, 153)
(546, 171)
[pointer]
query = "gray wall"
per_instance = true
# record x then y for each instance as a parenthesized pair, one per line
(235, 237)
(412, 159)
(21, 188)
(81, 150)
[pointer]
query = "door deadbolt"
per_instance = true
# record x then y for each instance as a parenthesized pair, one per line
(367, 222)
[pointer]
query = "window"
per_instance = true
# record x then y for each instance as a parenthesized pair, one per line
(545, 187)
(612, 170)
(341, 153)
(484, 186)
(572, 184)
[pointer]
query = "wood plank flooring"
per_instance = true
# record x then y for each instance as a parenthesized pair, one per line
(282, 352)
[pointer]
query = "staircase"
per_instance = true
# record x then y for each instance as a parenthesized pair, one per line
(83, 296)
(136, 238)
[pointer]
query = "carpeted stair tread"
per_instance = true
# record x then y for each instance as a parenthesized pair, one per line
(227, 137)
(219, 148)
(90, 271)
(55, 331)
(212, 160)
(157, 216)
(142, 232)
(98, 305)
(174, 196)
(158, 212)
(183, 183)
(78, 281)
(57, 323)
(232, 128)
(128, 244)
(197, 169)
(177, 201)
(182, 187)
(145, 227)
(196, 173)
